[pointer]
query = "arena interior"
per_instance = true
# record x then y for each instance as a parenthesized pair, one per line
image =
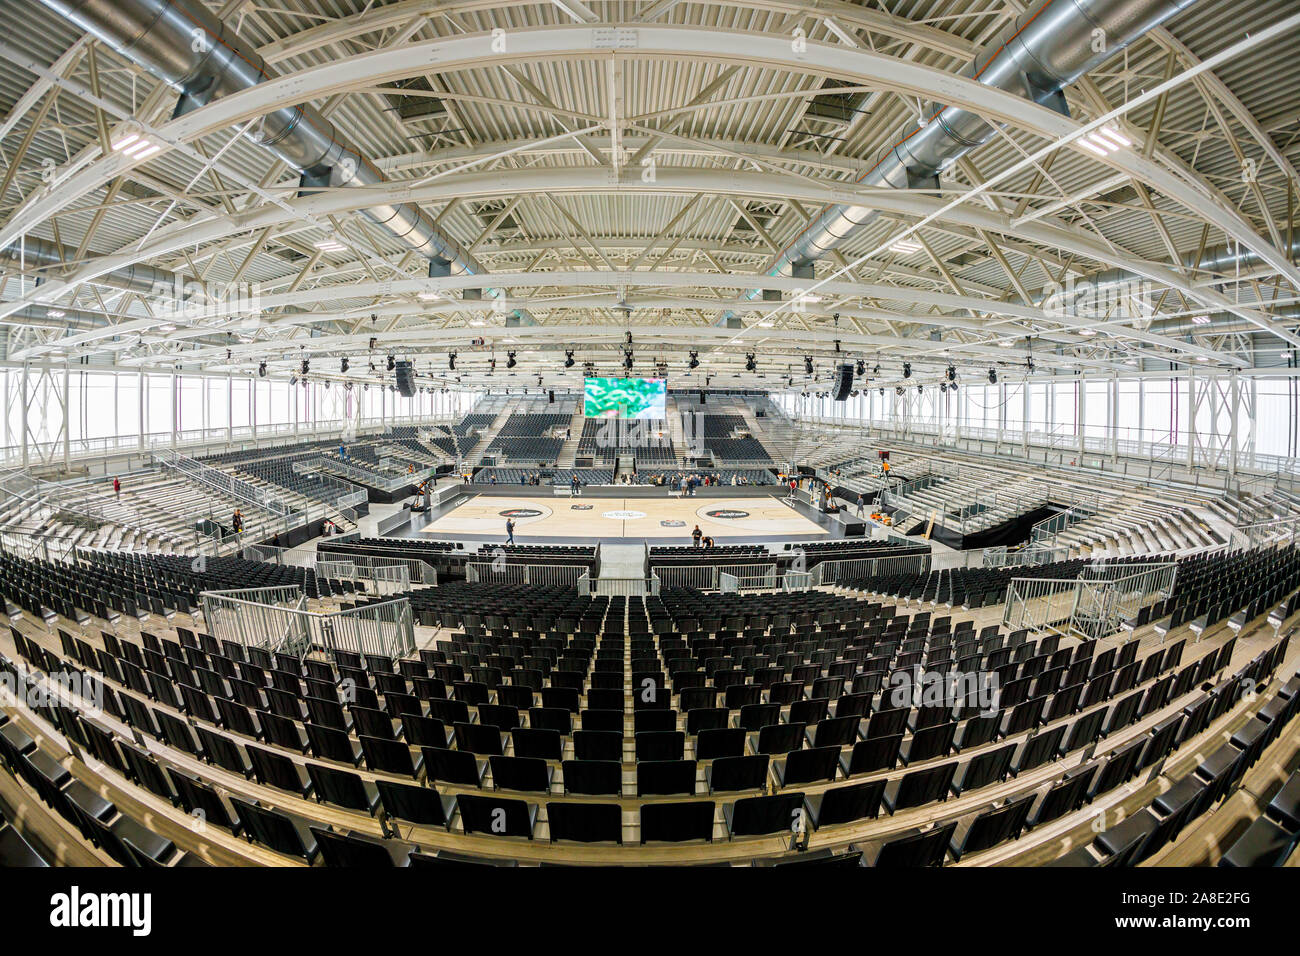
(627, 433)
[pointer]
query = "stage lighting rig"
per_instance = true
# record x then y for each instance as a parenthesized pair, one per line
(392, 363)
(907, 370)
(568, 358)
(807, 365)
(993, 376)
(306, 367)
(510, 360)
(343, 365)
(750, 364)
(261, 370)
(451, 361)
(952, 373)
(627, 357)
(695, 360)
(860, 369)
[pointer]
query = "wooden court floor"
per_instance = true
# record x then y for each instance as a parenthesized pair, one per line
(588, 517)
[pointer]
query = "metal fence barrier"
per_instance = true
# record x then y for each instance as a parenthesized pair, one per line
(538, 575)
(277, 620)
(707, 577)
(855, 569)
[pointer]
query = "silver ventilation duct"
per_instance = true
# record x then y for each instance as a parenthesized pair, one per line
(30, 252)
(1040, 54)
(188, 48)
(1224, 261)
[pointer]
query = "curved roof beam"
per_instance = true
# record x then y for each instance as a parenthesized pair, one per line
(588, 180)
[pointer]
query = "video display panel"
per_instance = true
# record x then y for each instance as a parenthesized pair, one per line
(625, 398)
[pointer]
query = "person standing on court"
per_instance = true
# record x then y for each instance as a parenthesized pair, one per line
(696, 535)
(510, 531)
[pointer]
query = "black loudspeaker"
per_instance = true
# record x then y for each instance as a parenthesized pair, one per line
(550, 396)
(702, 398)
(405, 379)
(845, 384)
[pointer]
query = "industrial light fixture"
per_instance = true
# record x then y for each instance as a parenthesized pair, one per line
(1105, 140)
(952, 373)
(330, 245)
(750, 364)
(392, 363)
(807, 365)
(627, 358)
(568, 358)
(694, 360)
(343, 365)
(993, 376)
(306, 367)
(906, 247)
(261, 370)
(135, 145)
(451, 361)
(1196, 319)
(510, 360)
(56, 313)
(860, 369)
(907, 370)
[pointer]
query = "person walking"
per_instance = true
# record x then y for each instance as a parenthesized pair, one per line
(510, 531)
(117, 487)
(861, 503)
(696, 535)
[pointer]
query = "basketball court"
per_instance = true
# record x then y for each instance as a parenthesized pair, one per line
(613, 517)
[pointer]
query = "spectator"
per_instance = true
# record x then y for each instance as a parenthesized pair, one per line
(117, 486)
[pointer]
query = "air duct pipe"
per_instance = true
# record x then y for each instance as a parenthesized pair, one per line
(192, 51)
(1044, 51)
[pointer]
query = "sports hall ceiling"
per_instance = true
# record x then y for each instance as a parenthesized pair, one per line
(616, 167)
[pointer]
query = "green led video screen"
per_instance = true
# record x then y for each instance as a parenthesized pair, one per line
(625, 398)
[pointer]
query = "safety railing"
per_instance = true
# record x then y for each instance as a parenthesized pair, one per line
(706, 577)
(623, 587)
(796, 581)
(858, 569)
(223, 482)
(1278, 531)
(278, 620)
(536, 575)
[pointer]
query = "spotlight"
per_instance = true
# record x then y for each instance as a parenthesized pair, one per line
(695, 360)
(261, 370)
(392, 363)
(875, 370)
(943, 386)
(372, 365)
(919, 388)
(627, 358)
(952, 387)
(882, 390)
(451, 361)
(306, 367)
(952, 373)
(568, 358)
(750, 364)
(861, 368)
(807, 365)
(993, 376)
(837, 341)
(372, 343)
(343, 365)
(510, 360)
(907, 370)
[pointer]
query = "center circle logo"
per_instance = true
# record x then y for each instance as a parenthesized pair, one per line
(624, 515)
(726, 513)
(520, 513)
